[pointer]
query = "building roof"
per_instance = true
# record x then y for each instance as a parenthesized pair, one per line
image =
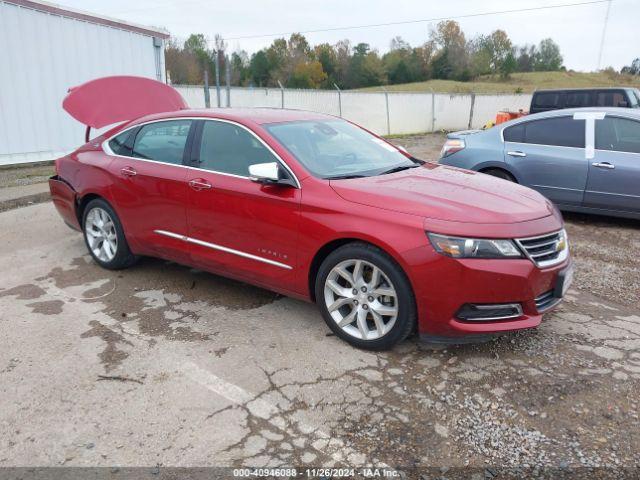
(81, 15)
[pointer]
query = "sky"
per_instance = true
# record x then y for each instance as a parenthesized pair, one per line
(578, 29)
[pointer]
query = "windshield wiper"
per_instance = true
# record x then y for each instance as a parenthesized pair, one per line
(344, 177)
(399, 168)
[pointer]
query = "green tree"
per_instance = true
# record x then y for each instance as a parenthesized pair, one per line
(366, 68)
(452, 57)
(259, 68)
(327, 57)
(508, 65)
(307, 75)
(526, 58)
(240, 71)
(548, 58)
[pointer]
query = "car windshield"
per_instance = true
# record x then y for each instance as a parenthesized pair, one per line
(334, 149)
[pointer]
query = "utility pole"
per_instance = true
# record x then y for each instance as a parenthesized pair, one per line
(604, 33)
(207, 99)
(227, 77)
(217, 64)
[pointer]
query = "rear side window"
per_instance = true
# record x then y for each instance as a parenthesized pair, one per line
(162, 141)
(228, 148)
(120, 144)
(550, 100)
(611, 99)
(514, 134)
(559, 131)
(579, 99)
(618, 135)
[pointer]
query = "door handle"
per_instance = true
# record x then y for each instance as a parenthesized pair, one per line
(517, 153)
(607, 165)
(199, 184)
(129, 172)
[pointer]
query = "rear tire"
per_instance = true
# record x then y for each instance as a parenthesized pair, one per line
(499, 173)
(104, 236)
(365, 297)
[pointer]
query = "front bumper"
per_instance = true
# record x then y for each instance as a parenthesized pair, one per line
(443, 284)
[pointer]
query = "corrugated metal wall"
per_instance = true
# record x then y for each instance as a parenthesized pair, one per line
(41, 56)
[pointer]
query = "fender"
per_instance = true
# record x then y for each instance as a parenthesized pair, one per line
(497, 164)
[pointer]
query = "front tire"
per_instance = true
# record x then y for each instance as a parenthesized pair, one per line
(104, 236)
(365, 297)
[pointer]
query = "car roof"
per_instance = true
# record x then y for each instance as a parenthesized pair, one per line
(258, 116)
(583, 89)
(563, 112)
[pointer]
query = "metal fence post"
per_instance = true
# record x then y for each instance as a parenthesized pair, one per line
(217, 64)
(227, 77)
(339, 99)
(207, 98)
(473, 102)
(433, 111)
(386, 101)
(281, 94)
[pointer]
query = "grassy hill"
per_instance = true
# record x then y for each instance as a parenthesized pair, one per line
(518, 83)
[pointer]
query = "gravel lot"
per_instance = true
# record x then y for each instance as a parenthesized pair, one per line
(161, 364)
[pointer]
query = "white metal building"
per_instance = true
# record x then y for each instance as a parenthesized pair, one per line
(44, 50)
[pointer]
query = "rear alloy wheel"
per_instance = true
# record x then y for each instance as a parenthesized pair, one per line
(104, 236)
(365, 298)
(101, 234)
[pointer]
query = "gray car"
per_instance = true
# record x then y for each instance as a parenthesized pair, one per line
(583, 159)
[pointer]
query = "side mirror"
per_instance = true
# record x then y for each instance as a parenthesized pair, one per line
(264, 172)
(269, 173)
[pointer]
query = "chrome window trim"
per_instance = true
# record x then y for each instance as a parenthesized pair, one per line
(528, 120)
(616, 151)
(107, 149)
(221, 248)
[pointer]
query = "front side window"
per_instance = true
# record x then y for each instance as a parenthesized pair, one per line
(338, 149)
(229, 148)
(162, 141)
(618, 135)
(559, 131)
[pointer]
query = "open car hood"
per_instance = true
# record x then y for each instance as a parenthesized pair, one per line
(110, 100)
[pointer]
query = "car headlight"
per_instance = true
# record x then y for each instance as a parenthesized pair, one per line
(458, 247)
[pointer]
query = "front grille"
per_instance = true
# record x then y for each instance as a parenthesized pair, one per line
(545, 301)
(545, 250)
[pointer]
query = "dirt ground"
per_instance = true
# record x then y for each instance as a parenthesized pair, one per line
(164, 365)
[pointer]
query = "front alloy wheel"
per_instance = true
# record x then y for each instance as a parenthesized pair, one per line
(361, 299)
(365, 297)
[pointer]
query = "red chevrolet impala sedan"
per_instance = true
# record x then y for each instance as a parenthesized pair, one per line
(314, 207)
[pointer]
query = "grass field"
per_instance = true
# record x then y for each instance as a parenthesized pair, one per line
(518, 83)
